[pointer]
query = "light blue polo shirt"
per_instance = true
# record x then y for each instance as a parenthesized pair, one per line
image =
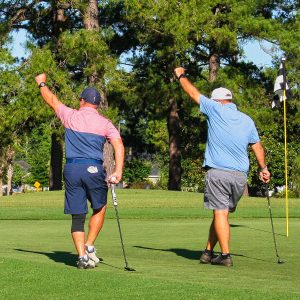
(229, 134)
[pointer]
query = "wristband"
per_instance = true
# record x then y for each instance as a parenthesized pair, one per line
(264, 168)
(181, 76)
(42, 84)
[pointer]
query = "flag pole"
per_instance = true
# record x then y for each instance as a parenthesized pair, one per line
(285, 148)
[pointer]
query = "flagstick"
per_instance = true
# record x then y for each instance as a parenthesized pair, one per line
(285, 150)
(286, 166)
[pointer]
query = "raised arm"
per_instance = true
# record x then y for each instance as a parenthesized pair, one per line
(48, 96)
(259, 152)
(188, 87)
(116, 176)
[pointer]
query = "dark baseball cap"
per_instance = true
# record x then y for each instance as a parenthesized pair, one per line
(91, 95)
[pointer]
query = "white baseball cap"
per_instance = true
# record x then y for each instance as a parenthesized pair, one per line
(221, 94)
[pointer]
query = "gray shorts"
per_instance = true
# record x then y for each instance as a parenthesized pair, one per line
(223, 189)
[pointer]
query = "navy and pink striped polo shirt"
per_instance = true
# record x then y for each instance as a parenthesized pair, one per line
(86, 132)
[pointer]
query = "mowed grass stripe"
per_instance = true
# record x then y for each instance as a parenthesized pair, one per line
(140, 204)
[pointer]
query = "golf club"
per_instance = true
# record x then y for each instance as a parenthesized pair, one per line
(267, 192)
(115, 203)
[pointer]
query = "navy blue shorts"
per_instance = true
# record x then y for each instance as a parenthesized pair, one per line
(84, 182)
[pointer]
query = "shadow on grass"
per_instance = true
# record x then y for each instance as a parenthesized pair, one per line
(195, 255)
(186, 253)
(64, 257)
(256, 229)
(236, 225)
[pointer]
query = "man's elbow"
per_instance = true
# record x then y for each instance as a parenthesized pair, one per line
(257, 146)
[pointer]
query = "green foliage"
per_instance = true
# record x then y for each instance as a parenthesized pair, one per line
(112, 114)
(295, 176)
(155, 36)
(157, 134)
(39, 155)
(87, 49)
(161, 162)
(193, 175)
(136, 170)
(9, 86)
(18, 175)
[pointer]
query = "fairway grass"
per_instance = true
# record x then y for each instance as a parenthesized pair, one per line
(164, 233)
(139, 204)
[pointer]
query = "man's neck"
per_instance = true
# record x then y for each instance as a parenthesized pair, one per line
(224, 101)
(86, 104)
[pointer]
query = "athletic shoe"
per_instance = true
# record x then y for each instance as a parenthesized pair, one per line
(85, 263)
(219, 260)
(92, 255)
(206, 257)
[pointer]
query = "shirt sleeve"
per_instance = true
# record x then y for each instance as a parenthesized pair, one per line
(207, 106)
(112, 132)
(64, 113)
(254, 137)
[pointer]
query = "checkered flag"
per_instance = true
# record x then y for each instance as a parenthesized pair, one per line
(281, 88)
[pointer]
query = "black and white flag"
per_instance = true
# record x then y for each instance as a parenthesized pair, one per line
(281, 93)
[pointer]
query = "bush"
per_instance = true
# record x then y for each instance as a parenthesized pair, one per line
(295, 177)
(193, 175)
(291, 194)
(136, 171)
(142, 185)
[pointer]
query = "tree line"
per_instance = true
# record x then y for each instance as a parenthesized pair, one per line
(127, 50)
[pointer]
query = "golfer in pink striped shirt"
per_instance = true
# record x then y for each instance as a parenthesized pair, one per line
(86, 132)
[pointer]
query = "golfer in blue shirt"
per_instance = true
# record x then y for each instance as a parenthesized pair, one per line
(230, 132)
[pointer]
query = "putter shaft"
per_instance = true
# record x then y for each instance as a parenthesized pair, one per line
(115, 203)
(271, 218)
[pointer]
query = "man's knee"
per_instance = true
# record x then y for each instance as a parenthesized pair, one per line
(78, 221)
(99, 211)
(221, 212)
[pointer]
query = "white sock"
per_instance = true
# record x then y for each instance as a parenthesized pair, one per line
(90, 248)
(85, 257)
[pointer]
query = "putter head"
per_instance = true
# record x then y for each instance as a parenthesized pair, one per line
(129, 269)
(280, 261)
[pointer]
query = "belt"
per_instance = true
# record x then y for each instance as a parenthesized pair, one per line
(84, 161)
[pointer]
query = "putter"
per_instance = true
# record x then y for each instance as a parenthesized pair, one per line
(115, 203)
(279, 261)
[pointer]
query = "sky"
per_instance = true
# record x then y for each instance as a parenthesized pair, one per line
(254, 51)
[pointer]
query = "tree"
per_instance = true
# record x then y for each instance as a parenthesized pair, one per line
(83, 42)
(45, 22)
(9, 84)
(94, 63)
(209, 42)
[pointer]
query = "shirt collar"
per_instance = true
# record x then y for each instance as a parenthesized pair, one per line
(88, 109)
(231, 106)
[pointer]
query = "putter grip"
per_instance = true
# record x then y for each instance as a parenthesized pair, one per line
(114, 196)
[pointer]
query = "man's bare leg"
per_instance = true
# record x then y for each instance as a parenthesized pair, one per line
(222, 229)
(207, 255)
(95, 225)
(78, 239)
(212, 237)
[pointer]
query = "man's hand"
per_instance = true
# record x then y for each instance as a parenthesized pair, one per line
(187, 86)
(48, 96)
(40, 78)
(179, 71)
(114, 178)
(265, 175)
(259, 152)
